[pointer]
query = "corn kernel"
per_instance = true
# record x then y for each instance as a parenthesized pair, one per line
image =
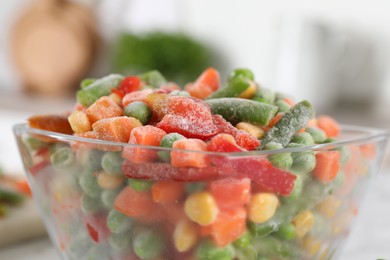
(312, 245)
(249, 92)
(116, 98)
(185, 236)
(79, 122)
(329, 207)
(303, 222)
(262, 207)
(108, 181)
(253, 130)
(201, 208)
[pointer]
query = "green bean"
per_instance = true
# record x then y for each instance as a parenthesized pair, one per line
(282, 105)
(167, 141)
(86, 82)
(11, 197)
(153, 78)
(234, 88)
(101, 87)
(140, 185)
(303, 138)
(243, 241)
(206, 250)
(286, 231)
(88, 183)
(272, 247)
(63, 158)
(318, 135)
(118, 222)
(108, 197)
(112, 163)
(148, 244)
(121, 241)
(241, 72)
(237, 110)
(290, 123)
(139, 110)
(264, 95)
(89, 204)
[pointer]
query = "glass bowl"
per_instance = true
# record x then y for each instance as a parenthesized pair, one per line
(98, 205)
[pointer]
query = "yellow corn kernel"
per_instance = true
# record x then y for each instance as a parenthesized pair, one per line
(108, 182)
(79, 122)
(116, 98)
(262, 207)
(249, 92)
(185, 236)
(201, 208)
(253, 130)
(312, 245)
(329, 206)
(303, 222)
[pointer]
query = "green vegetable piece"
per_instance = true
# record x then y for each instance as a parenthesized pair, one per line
(153, 78)
(243, 241)
(287, 231)
(234, 88)
(118, 222)
(97, 252)
(63, 158)
(206, 250)
(303, 162)
(86, 82)
(112, 163)
(88, 183)
(290, 123)
(10, 197)
(90, 159)
(89, 204)
(241, 72)
(282, 105)
(264, 95)
(101, 87)
(180, 93)
(272, 248)
(345, 153)
(297, 190)
(303, 138)
(139, 110)
(34, 143)
(108, 197)
(148, 244)
(237, 110)
(167, 141)
(140, 185)
(318, 135)
(120, 242)
(3, 210)
(273, 146)
(247, 253)
(281, 160)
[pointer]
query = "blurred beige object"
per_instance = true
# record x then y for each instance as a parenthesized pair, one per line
(53, 45)
(21, 223)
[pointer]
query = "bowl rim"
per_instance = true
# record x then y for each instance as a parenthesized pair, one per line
(368, 134)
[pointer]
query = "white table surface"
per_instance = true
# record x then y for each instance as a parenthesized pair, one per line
(370, 240)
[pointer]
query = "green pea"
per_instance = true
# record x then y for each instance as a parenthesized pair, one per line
(139, 110)
(121, 241)
(303, 138)
(264, 95)
(339, 180)
(281, 160)
(90, 204)
(330, 140)
(153, 78)
(88, 183)
(167, 141)
(118, 222)
(108, 197)
(86, 82)
(63, 158)
(148, 244)
(303, 162)
(297, 190)
(345, 154)
(286, 231)
(318, 135)
(34, 143)
(90, 159)
(206, 250)
(180, 93)
(241, 72)
(273, 146)
(282, 105)
(140, 185)
(112, 163)
(243, 241)
(272, 247)
(247, 253)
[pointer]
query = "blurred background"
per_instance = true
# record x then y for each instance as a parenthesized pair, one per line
(333, 53)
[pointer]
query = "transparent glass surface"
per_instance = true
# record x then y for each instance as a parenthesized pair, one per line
(102, 200)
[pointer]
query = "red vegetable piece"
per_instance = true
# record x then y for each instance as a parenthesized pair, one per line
(134, 203)
(223, 143)
(128, 84)
(230, 193)
(206, 83)
(97, 228)
(327, 166)
(139, 95)
(104, 107)
(180, 158)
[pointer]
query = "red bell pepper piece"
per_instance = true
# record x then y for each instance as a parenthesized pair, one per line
(128, 84)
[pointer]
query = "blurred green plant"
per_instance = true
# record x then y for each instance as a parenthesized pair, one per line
(177, 56)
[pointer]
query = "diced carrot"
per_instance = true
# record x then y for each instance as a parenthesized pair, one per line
(229, 226)
(206, 230)
(54, 123)
(205, 84)
(289, 101)
(23, 186)
(194, 158)
(328, 125)
(143, 135)
(368, 150)
(104, 107)
(312, 122)
(134, 203)
(139, 95)
(167, 191)
(115, 129)
(275, 119)
(327, 165)
(231, 193)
